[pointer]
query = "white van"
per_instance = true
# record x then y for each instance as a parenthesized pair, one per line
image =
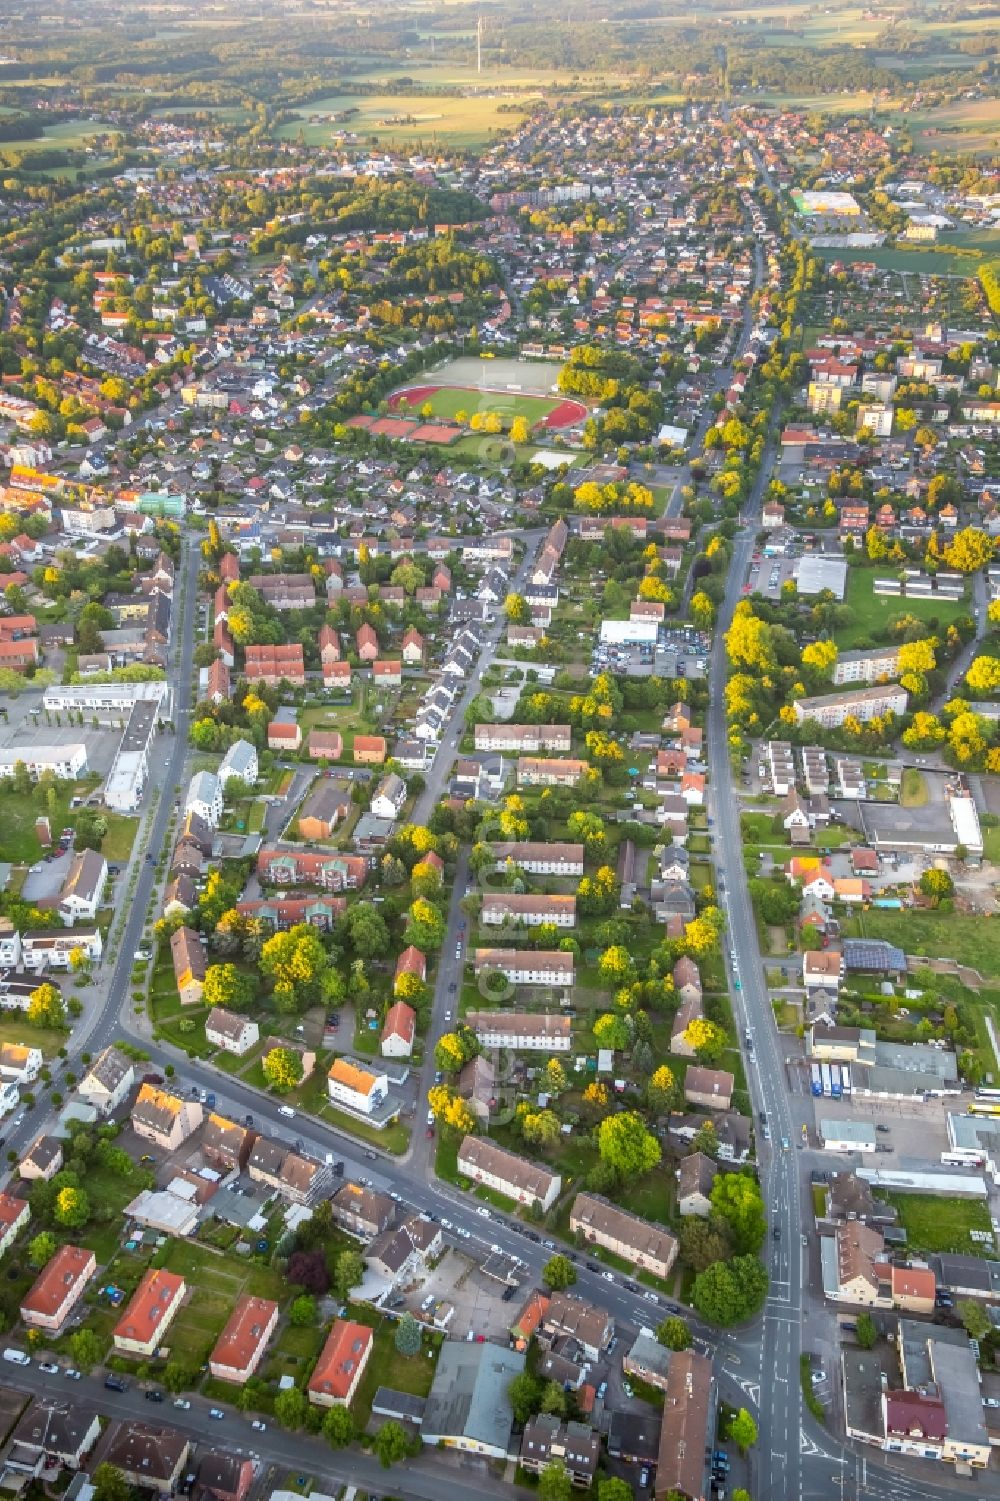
(16, 1357)
(287, 1111)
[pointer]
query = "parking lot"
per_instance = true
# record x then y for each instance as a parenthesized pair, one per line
(25, 728)
(477, 1298)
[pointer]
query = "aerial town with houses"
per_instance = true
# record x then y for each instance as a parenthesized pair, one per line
(499, 807)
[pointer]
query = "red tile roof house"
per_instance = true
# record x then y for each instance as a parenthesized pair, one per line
(399, 1031)
(388, 673)
(272, 664)
(413, 646)
(58, 1288)
(367, 643)
(149, 1314)
(411, 962)
(241, 1345)
(282, 736)
(329, 644)
(14, 1213)
(336, 675)
(341, 1364)
(370, 750)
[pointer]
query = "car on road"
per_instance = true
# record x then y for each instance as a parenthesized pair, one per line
(49, 1367)
(154, 1396)
(484, 1214)
(817, 1377)
(644, 1477)
(452, 988)
(429, 1132)
(430, 1117)
(465, 1234)
(438, 1076)
(115, 1384)
(884, 1129)
(287, 1112)
(447, 1016)
(627, 1389)
(72, 1374)
(182, 1403)
(216, 1412)
(609, 1276)
(260, 1427)
(776, 1232)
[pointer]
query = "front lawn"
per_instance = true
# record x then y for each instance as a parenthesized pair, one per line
(386, 1367)
(974, 941)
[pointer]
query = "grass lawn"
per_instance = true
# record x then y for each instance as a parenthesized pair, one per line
(872, 614)
(404, 119)
(974, 941)
(933, 1223)
(448, 401)
(913, 791)
(652, 1197)
(118, 841)
(386, 1367)
(13, 1028)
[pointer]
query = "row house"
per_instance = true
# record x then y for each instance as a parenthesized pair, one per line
(527, 967)
(522, 1031)
(332, 872)
(482, 1161)
(527, 910)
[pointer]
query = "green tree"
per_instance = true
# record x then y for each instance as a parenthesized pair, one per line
(614, 1489)
(390, 1443)
(736, 1198)
(303, 1311)
(674, 1333)
(338, 1427)
(110, 1484)
(45, 1007)
(554, 1483)
(41, 1249)
(525, 1393)
(178, 1377)
(558, 1273)
(282, 1069)
(348, 1272)
(626, 1146)
(409, 1335)
(290, 1408)
(85, 1348)
(728, 1291)
(71, 1208)
(742, 1430)
(974, 1317)
(225, 985)
(864, 1331)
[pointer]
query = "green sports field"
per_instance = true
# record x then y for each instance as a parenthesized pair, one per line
(448, 401)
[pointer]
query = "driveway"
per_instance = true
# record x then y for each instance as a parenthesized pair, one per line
(46, 878)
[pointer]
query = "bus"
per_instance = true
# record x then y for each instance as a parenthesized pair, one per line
(984, 1107)
(835, 1081)
(988, 1094)
(817, 1080)
(827, 1082)
(845, 1078)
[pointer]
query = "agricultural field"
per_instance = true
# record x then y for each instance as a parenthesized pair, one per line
(404, 119)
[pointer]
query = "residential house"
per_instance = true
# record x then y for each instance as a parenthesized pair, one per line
(20, 1064)
(524, 738)
(389, 797)
(370, 750)
(83, 888)
(204, 797)
(325, 745)
(58, 1288)
(477, 1086)
(540, 859)
(822, 969)
(108, 1081)
(224, 1476)
(410, 962)
(501, 908)
(149, 1458)
(688, 1431)
(230, 1031)
(712, 1088)
(525, 1182)
(149, 1313)
(548, 1439)
(695, 1178)
(398, 1031)
(225, 1145)
(571, 1317)
(522, 1031)
(527, 967)
(327, 805)
(284, 736)
(333, 872)
(362, 1211)
(554, 771)
(687, 981)
(42, 1160)
(163, 1119)
(190, 963)
(240, 1347)
(239, 762)
(14, 1215)
(51, 1433)
(272, 665)
(341, 1364)
(297, 1178)
(355, 1089)
(650, 1247)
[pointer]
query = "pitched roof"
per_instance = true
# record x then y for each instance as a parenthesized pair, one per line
(346, 1347)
